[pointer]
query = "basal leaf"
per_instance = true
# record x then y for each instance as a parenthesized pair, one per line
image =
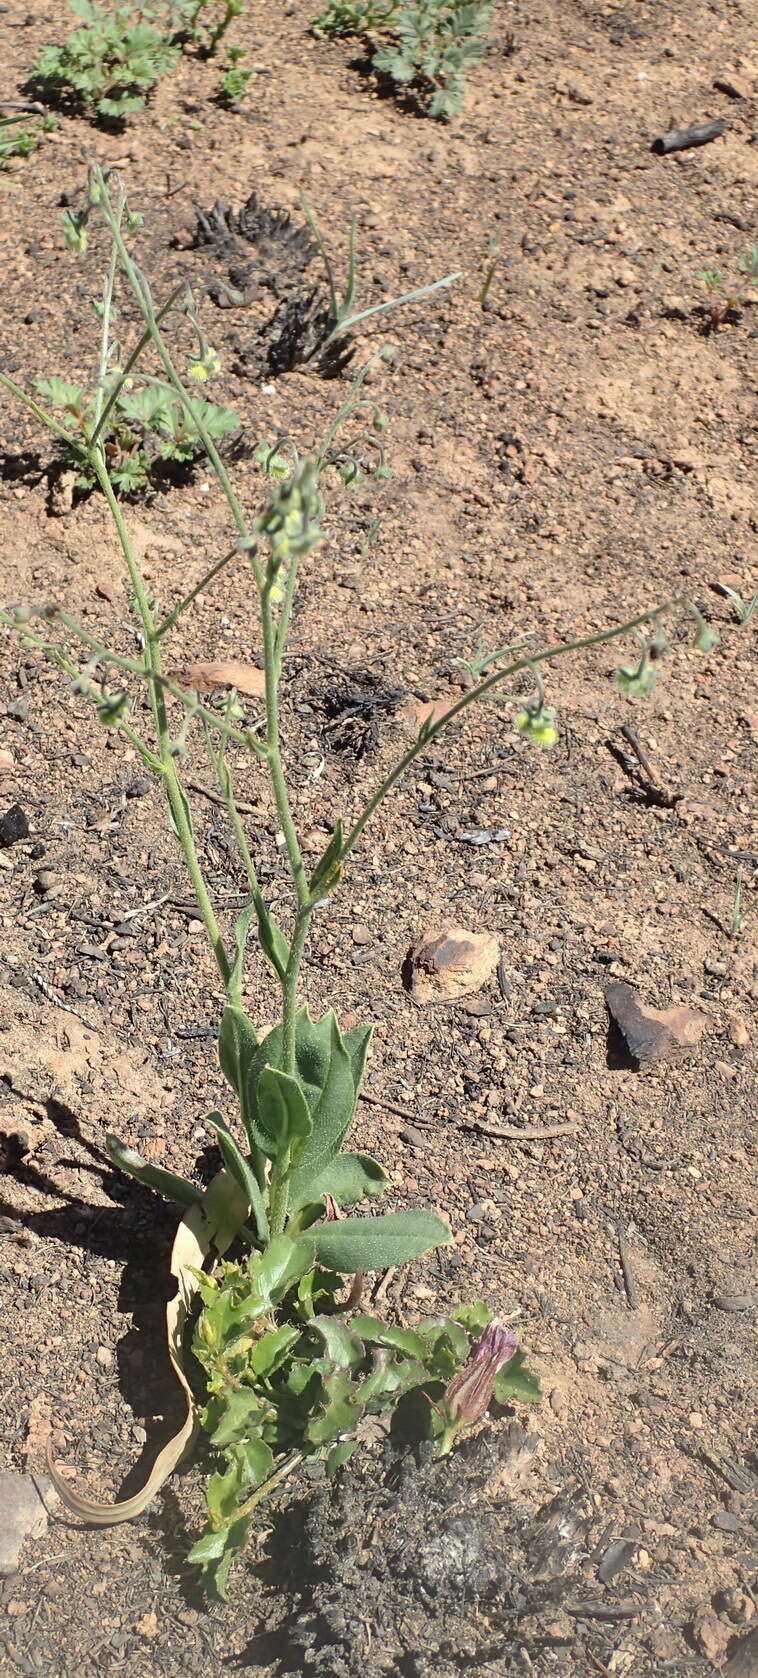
(154, 1177)
(241, 1170)
(377, 1333)
(516, 1382)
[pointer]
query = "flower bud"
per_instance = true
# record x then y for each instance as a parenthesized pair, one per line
(467, 1396)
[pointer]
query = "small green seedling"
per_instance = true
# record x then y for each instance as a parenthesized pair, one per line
(743, 608)
(726, 297)
(109, 66)
(429, 46)
(20, 136)
(235, 79)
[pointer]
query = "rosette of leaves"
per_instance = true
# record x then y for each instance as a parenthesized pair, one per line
(145, 428)
(109, 66)
(290, 1381)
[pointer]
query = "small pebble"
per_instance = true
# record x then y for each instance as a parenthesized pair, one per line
(361, 935)
(725, 1521)
(13, 826)
(104, 1357)
(695, 1419)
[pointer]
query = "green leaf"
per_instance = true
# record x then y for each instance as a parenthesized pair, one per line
(357, 1042)
(331, 1111)
(241, 1170)
(154, 1177)
(348, 1178)
(238, 1049)
(352, 1244)
(283, 1116)
(339, 1455)
(514, 1381)
(328, 870)
(271, 939)
(282, 1263)
(242, 1412)
(377, 1333)
(271, 1350)
(342, 1345)
(241, 929)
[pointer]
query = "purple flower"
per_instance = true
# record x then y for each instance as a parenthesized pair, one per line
(467, 1396)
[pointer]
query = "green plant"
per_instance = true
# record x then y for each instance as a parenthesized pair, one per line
(430, 46)
(743, 608)
(147, 428)
(725, 296)
(290, 1370)
(18, 139)
(108, 67)
(204, 23)
(235, 79)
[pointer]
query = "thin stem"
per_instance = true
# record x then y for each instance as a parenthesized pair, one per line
(171, 617)
(479, 692)
(271, 664)
(282, 628)
(289, 986)
(110, 280)
(144, 301)
(177, 800)
(269, 1485)
(54, 425)
(117, 388)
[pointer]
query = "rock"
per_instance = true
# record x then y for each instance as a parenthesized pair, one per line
(450, 963)
(739, 1034)
(104, 1357)
(735, 1301)
(652, 1033)
(710, 1635)
(735, 87)
(361, 935)
(617, 1556)
(725, 1521)
(7, 760)
(739, 1606)
(22, 1515)
(13, 826)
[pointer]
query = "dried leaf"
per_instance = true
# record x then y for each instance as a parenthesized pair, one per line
(453, 962)
(205, 678)
(653, 1033)
(199, 1230)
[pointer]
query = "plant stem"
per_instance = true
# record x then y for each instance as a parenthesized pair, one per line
(177, 800)
(272, 661)
(142, 295)
(269, 1485)
(479, 692)
(176, 611)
